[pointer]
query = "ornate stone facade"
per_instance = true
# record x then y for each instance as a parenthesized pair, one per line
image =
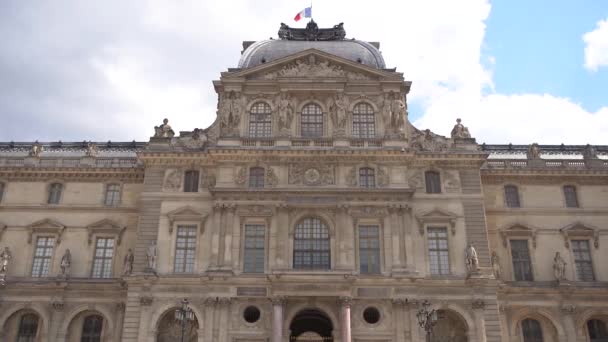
(323, 214)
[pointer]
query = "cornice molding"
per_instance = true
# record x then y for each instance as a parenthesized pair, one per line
(125, 175)
(186, 213)
(106, 226)
(45, 226)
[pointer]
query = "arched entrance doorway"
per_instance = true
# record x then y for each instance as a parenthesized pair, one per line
(449, 328)
(311, 325)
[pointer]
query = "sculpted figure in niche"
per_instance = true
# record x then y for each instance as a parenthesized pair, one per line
(66, 263)
(533, 151)
(230, 111)
(337, 110)
(459, 131)
(128, 263)
(91, 150)
(496, 265)
(559, 267)
(151, 256)
(590, 152)
(394, 111)
(164, 130)
(286, 113)
(471, 259)
(5, 258)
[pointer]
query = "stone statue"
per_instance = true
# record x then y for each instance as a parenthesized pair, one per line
(91, 150)
(164, 130)
(559, 267)
(128, 263)
(151, 255)
(471, 259)
(286, 112)
(496, 265)
(533, 151)
(66, 263)
(230, 112)
(337, 111)
(5, 258)
(590, 152)
(459, 131)
(394, 112)
(36, 149)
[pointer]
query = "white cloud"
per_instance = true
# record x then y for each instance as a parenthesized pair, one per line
(596, 46)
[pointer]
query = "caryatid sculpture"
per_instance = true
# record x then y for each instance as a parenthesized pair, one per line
(229, 112)
(394, 111)
(337, 111)
(66, 263)
(471, 259)
(559, 267)
(286, 113)
(5, 258)
(128, 263)
(151, 255)
(496, 269)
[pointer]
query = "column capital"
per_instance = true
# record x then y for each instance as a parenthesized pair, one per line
(345, 301)
(278, 300)
(209, 301)
(478, 304)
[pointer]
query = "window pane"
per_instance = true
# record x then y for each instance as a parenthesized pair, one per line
(367, 177)
(311, 245)
(102, 260)
(185, 248)
(570, 195)
(582, 260)
(369, 249)
(260, 122)
(112, 195)
(364, 121)
(531, 330)
(512, 196)
(55, 193)
(439, 259)
(42, 256)
(312, 121)
(254, 249)
(597, 330)
(256, 177)
(433, 183)
(522, 268)
(91, 329)
(28, 327)
(191, 181)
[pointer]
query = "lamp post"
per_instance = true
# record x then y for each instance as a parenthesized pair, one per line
(184, 315)
(426, 319)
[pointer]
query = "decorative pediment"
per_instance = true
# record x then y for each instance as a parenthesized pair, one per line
(106, 226)
(46, 226)
(186, 214)
(312, 63)
(580, 230)
(518, 230)
(437, 216)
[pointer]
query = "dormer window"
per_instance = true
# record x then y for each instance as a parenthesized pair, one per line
(312, 121)
(260, 120)
(364, 122)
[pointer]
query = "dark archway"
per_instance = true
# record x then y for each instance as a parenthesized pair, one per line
(311, 321)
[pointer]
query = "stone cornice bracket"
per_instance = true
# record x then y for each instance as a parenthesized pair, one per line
(345, 301)
(187, 213)
(3, 228)
(46, 226)
(209, 301)
(518, 230)
(478, 304)
(400, 301)
(278, 300)
(436, 215)
(106, 226)
(146, 300)
(568, 309)
(58, 306)
(120, 306)
(224, 300)
(580, 230)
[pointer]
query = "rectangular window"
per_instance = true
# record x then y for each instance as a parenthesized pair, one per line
(256, 177)
(522, 266)
(439, 257)
(185, 247)
(102, 261)
(582, 260)
(254, 248)
(42, 256)
(433, 182)
(570, 195)
(191, 181)
(112, 195)
(55, 191)
(1, 191)
(369, 249)
(512, 196)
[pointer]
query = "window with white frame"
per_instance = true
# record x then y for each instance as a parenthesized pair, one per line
(185, 248)
(439, 258)
(522, 265)
(369, 249)
(311, 245)
(254, 253)
(42, 256)
(311, 124)
(112, 195)
(260, 120)
(582, 260)
(102, 259)
(364, 121)
(55, 191)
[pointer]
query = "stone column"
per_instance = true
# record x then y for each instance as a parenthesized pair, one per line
(208, 312)
(224, 324)
(57, 316)
(401, 318)
(345, 303)
(410, 312)
(568, 322)
(478, 306)
(277, 318)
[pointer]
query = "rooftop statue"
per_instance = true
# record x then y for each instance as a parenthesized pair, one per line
(164, 130)
(460, 131)
(533, 151)
(312, 32)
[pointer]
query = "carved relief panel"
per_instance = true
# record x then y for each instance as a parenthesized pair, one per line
(312, 174)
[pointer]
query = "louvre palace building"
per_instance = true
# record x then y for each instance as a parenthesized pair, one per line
(310, 210)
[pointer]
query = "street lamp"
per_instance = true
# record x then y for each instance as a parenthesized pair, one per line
(184, 315)
(426, 319)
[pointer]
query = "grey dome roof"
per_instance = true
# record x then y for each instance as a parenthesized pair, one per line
(266, 51)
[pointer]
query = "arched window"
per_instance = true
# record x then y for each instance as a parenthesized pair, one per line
(433, 182)
(512, 196)
(28, 328)
(531, 330)
(170, 330)
(112, 195)
(597, 330)
(55, 190)
(364, 123)
(260, 120)
(256, 177)
(91, 329)
(311, 245)
(312, 121)
(367, 177)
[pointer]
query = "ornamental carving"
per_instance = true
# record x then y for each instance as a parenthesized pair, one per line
(383, 177)
(240, 177)
(351, 176)
(337, 107)
(533, 151)
(194, 141)
(394, 113)
(173, 180)
(36, 149)
(313, 67)
(270, 178)
(230, 108)
(321, 174)
(415, 180)
(286, 113)
(428, 141)
(451, 181)
(208, 178)
(91, 150)
(460, 131)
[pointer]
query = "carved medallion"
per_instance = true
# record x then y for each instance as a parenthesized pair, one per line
(312, 177)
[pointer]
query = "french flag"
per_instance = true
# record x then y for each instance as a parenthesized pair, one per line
(306, 13)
